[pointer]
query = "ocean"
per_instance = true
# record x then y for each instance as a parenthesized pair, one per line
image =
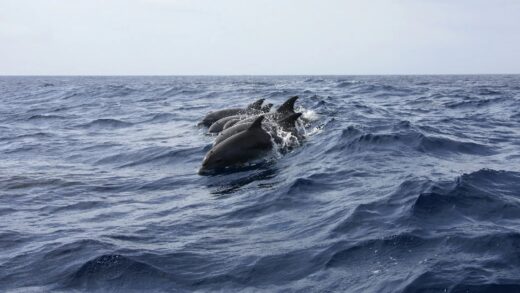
(403, 184)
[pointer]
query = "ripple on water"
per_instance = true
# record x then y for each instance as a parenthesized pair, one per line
(402, 184)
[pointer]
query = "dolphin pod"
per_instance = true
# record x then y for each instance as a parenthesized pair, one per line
(247, 134)
(287, 124)
(240, 148)
(212, 117)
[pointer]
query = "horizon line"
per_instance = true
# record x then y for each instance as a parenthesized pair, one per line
(245, 75)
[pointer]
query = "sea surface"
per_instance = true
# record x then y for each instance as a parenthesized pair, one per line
(403, 184)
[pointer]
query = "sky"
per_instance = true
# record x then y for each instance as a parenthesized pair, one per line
(258, 37)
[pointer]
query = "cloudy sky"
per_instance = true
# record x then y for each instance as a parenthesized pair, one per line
(184, 37)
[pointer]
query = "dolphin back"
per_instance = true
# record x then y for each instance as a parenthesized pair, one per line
(288, 106)
(256, 105)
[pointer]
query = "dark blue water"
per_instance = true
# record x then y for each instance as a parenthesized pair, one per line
(404, 183)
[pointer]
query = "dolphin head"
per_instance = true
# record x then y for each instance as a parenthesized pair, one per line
(223, 156)
(213, 161)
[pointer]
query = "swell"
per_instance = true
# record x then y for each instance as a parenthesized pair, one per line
(292, 196)
(26, 182)
(47, 117)
(413, 265)
(35, 136)
(52, 261)
(436, 228)
(403, 184)
(117, 272)
(106, 123)
(475, 102)
(354, 140)
(150, 156)
(379, 90)
(162, 117)
(483, 195)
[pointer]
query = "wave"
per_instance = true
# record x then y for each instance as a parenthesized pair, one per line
(12, 239)
(438, 208)
(360, 250)
(275, 269)
(474, 102)
(232, 181)
(484, 273)
(387, 240)
(355, 140)
(314, 80)
(381, 90)
(106, 124)
(430, 281)
(171, 91)
(483, 195)
(483, 91)
(150, 156)
(281, 93)
(344, 84)
(47, 117)
(78, 206)
(36, 135)
(162, 118)
(113, 91)
(117, 272)
(189, 90)
(25, 182)
(402, 184)
(165, 157)
(66, 95)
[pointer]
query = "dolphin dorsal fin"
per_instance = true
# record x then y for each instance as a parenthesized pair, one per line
(288, 106)
(290, 120)
(267, 108)
(256, 105)
(257, 123)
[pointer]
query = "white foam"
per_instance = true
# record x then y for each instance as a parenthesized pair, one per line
(285, 141)
(304, 125)
(308, 115)
(313, 131)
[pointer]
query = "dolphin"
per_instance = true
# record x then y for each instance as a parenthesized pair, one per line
(286, 109)
(230, 123)
(218, 125)
(267, 108)
(286, 123)
(212, 117)
(237, 128)
(289, 123)
(241, 148)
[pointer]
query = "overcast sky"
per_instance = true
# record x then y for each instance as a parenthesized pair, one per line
(177, 37)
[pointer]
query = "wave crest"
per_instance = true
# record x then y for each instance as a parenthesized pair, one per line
(106, 123)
